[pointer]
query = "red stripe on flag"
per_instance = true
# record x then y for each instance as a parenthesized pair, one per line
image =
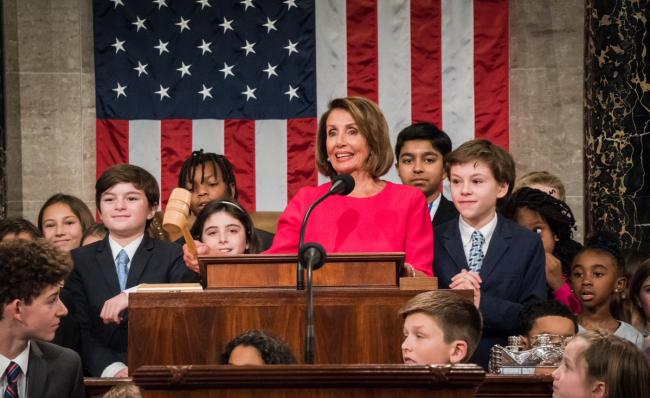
(363, 70)
(239, 148)
(175, 147)
(491, 71)
(111, 144)
(301, 160)
(426, 61)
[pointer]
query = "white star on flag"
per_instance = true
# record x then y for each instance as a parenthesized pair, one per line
(141, 68)
(227, 70)
(120, 90)
(205, 92)
(249, 48)
(119, 45)
(290, 3)
(249, 93)
(292, 93)
(162, 47)
(161, 3)
(270, 70)
(117, 3)
(139, 24)
(270, 25)
(204, 3)
(226, 25)
(291, 47)
(183, 24)
(184, 69)
(205, 47)
(162, 92)
(247, 3)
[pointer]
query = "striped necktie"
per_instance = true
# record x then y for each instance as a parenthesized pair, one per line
(122, 262)
(12, 373)
(475, 252)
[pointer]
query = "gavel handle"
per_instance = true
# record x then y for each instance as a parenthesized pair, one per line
(191, 246)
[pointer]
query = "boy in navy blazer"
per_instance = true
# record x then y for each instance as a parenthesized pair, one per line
(104, 272)
(480, 250)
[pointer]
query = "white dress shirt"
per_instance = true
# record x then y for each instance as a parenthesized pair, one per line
(433, 206)
(23, 361)
(466, 231)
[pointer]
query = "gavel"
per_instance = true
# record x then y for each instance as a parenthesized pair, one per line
(176, 213)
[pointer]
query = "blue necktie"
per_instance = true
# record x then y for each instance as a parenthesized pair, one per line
(13, 371)
(475, 252)
(122, 261)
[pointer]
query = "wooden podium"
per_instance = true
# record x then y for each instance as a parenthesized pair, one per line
(355, 324)
(287, 381)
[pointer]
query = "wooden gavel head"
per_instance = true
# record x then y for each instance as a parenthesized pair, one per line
(177, 211)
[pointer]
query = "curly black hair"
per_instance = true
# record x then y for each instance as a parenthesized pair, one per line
(273, 350)
(535, 310)
(606, 242)
(557, 215)
(201, 159)
(28, 267)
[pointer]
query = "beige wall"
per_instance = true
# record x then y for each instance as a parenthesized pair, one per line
(50, 96)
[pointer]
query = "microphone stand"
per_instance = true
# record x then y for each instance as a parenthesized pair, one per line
(314, 255)
(300, 278)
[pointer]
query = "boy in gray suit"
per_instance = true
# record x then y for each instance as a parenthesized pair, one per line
(31, 278)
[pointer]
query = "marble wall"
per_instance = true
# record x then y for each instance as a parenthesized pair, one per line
(50, 97)
(617, 119)
(546, 86)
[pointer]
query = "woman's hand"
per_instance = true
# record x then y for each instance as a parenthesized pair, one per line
(190, 259)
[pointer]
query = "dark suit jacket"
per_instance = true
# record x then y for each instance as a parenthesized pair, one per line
(446, 212)
(94, 280)
(513, 274)
(54, 372)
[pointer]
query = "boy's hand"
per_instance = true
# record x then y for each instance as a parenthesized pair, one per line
(553, 272)
(466, 280)
(113, 308)
(190, 260)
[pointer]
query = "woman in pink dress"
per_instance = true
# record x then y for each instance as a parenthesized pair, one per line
(377, 216)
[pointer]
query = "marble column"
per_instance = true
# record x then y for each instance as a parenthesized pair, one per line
(617, 119)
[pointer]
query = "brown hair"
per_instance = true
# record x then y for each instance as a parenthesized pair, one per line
(617, 362)
(496, 158)
(641, 274)
(372, 125)
(76, 205)
(139, 177)
(455, 315)
(542, 178)
(28, 267)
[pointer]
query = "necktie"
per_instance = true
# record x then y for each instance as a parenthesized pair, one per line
(475, 252)
(122, 268)
(12, 373)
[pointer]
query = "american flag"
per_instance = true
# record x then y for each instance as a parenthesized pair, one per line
(248, 78)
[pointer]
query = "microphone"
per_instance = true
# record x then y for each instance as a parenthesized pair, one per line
(312, 257)
(342, 184)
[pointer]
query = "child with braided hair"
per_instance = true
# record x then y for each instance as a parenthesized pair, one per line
(553, 220)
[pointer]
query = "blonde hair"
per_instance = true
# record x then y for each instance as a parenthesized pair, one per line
(124, 390)
(542, 178)
(372, 125)
(455, 315)
(617, 362)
